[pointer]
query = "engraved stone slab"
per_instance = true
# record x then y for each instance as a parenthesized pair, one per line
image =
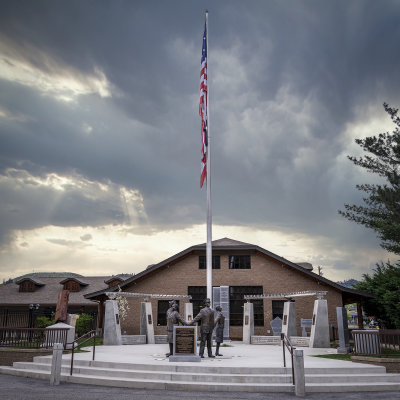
(276, 325)
(343, 330)
(248, 322)
(221, 298)
(305, 323)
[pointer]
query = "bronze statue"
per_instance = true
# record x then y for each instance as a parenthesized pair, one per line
(206, 316)
(62, 306)
(173, 319)
(219, 329)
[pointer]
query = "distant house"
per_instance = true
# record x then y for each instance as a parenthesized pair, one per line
(246, 269)
(36, 294)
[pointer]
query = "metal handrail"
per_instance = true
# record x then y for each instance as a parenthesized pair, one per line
(89, 335)
(286, 343)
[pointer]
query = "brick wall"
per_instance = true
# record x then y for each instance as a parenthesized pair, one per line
(265, 271)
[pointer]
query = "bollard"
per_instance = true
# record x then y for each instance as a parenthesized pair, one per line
(299, 377)
(56, 364)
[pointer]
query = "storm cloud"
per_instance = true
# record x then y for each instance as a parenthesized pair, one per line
(99, 116)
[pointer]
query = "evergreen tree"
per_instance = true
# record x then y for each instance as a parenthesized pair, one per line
(381, 211)
(385, 285)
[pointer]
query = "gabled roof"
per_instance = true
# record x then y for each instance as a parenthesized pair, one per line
(36, 281)
(46, 294)
(114, 278)
(228, 244)
(80, 281)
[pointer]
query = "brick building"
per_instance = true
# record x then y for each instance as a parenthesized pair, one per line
(246, 269)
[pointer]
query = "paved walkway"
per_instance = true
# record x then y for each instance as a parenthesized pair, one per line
(236, 355)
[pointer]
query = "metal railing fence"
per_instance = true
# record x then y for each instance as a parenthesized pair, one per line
(34, 338)
(286, 344)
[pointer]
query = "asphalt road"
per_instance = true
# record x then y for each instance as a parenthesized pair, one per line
(17, 388)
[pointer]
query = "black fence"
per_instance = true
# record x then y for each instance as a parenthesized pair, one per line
(29, 318)
(34, 338)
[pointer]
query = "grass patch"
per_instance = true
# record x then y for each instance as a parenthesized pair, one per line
(89, 343)
(344, 357)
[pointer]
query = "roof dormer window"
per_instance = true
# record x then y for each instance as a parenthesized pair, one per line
(72, 286)
(27, 286)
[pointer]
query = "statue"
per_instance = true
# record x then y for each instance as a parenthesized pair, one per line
(219, 329)
(62, 306)
(173, 319)
(206, 316)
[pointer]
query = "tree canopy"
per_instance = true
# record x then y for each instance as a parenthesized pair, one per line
(385, 285)
(381, 209)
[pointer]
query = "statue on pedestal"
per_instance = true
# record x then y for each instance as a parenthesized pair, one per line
(206, 316)
(173, 319)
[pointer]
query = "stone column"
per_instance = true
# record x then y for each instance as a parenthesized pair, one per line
(248, 322)
(299, 377)
(112, 325)
(289, 319)
(320, 325)
(188, 311)
(343, 330)
(56, 360)
(146, 322)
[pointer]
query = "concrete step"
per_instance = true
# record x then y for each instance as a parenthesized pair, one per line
(182, 376)
(353, 378)
(352, 387)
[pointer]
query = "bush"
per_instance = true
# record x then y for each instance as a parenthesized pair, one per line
(44, 322)
(83, 324)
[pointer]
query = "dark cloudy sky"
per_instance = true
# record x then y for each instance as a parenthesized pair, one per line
(100, 133)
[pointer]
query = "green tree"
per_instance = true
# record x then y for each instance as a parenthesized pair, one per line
(381, 209)
(385, 285)
(83, 324)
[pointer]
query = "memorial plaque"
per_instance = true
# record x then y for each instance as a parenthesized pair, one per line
(313, 319)
(149, 319)
(117, 318)
(246, 319)
(284, 319)
(185, 340)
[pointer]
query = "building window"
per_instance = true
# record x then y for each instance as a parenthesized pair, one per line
(239, 262)
(199, 294)
(277, 308)
(72, 286)
(27, 286)
(162, 308)
(236, 304)
(216, 264)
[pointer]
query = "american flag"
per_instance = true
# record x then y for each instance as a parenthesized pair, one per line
(203, 108)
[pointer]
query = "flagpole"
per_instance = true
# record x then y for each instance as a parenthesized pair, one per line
(209, 217)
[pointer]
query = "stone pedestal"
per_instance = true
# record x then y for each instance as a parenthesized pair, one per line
(146, 322)
(112, 325)
(289, 319)
(319, 337)
(188, 312)
(248, 322)
(343, 330)
(58, 337)
(185, 344)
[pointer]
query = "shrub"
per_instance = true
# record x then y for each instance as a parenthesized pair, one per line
(44, 322)
(83, 324)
